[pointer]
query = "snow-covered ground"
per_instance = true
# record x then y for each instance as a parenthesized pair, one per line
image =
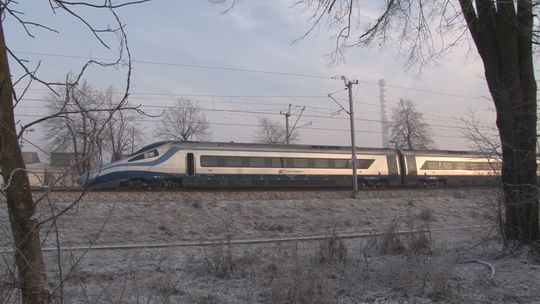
(452, 266)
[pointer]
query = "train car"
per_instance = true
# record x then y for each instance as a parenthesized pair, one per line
(449, 168)
(230, 165)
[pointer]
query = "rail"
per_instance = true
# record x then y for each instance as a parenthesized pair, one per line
(248, 241)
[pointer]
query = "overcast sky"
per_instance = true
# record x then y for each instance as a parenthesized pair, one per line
(180, 50)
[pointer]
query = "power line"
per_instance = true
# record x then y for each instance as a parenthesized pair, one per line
(253, 125)
(201, 95)
(184, 65)
(253, 101)
(435, 126)
(269, 112)
(247, 70)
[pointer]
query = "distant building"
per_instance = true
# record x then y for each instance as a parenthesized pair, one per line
(63, 169)
(38, 174)
(30, 157)
(63, 159)
(62, 172)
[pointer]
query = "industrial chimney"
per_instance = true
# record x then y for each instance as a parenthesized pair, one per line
(384, 119)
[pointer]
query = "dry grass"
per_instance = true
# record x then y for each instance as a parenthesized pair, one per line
(220, 263)
(332, 250)
(413, 240)
(207, 299)
(427, 215)
(302, 286)
(418, 276)
(303, 282)
(392, 268)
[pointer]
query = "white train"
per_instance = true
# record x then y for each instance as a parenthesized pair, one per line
(230, 165)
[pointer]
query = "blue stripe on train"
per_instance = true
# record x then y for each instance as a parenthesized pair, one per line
(150, 176)
(121, 176)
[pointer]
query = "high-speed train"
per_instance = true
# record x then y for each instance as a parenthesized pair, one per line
(233, 165)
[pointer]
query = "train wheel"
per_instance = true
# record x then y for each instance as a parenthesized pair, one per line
(441, 184)
(171, 184)
(137, 184)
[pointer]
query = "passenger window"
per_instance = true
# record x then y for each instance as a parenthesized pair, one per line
(209, 161)
(257, 162)
(233, 162)
(331, 163)
(448, 166)
(272, 162)
(364, 163)
(288, 162)
(301, 163)
(342, 163)
(477, 166)
(321, 163)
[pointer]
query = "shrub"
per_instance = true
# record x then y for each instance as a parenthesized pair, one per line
(220, 263)
(332, 250)
(393, 242)
(427, 215)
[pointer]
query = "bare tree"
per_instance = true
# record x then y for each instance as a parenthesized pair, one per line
(408, 129)
(76, 130)
(31, 277)
(483, 139)
(121, 133)
(86, 111)
(503, 32)
(184, 122)
(271, 132)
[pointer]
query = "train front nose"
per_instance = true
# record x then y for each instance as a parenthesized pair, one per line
(81, 180)
(86, 178)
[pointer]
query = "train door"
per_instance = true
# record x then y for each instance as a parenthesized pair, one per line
(411, 177)
(190, 164)
(394, 178)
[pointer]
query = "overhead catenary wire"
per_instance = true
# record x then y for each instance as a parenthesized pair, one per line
(251, 101)
(185, 65)
(277, 113)
(269, 112)
(254, 125)
(249, 70)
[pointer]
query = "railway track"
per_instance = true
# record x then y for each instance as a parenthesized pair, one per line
(251, 190)
(257, 241)
(203, 196)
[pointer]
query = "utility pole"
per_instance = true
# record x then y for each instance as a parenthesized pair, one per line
(349, 84)
(287, 115)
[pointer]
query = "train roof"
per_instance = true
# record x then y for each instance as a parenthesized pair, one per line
(262, 147)
(471, 154)
(303, 148)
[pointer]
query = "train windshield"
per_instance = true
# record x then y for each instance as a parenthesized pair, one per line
(145, 155)
(149, 147)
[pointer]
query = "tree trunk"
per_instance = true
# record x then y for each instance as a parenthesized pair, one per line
(503, 38)
(21, 208)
